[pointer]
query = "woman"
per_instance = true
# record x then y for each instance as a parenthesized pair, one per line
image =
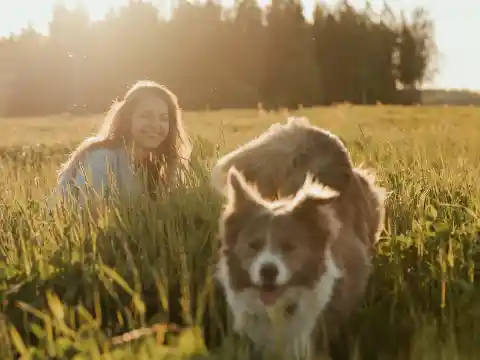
(141, 135)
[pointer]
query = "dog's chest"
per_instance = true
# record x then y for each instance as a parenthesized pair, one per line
(288, 328)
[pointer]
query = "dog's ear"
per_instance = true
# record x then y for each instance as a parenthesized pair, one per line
(240, 195)
(311, 199)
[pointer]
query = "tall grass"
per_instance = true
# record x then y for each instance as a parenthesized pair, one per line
(137, 280)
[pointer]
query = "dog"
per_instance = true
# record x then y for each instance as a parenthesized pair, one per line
(295, 264)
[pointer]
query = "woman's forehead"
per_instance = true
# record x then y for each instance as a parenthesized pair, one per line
(153, 103)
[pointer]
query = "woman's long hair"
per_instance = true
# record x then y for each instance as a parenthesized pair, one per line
(164, 161)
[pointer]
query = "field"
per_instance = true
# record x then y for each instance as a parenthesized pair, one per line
(70, 289)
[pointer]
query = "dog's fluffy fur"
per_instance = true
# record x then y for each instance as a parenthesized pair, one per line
(303, 253)
(279, 159)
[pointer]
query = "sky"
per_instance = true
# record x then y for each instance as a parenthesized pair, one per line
(457, 61)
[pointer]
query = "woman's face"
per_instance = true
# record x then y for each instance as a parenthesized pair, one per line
(150, 122)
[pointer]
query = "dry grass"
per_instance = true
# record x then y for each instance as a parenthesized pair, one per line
(69, 288)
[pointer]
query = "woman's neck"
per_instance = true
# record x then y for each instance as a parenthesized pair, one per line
(137, 154)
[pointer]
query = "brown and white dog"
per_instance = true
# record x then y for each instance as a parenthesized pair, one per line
(297, 258)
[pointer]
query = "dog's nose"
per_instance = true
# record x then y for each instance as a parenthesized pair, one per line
(269, 273)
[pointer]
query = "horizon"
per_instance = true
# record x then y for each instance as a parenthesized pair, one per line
(457, 66)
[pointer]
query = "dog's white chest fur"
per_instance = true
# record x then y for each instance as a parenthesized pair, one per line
(277, 328)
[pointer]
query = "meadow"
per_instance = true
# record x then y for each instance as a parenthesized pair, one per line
(111, 287)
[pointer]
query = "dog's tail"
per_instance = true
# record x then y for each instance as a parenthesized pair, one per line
(278, 161)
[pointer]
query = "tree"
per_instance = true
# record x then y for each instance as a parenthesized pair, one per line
(247, 53)
(416, 49)
(214, 58)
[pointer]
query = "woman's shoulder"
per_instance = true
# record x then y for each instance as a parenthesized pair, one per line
(100, 155)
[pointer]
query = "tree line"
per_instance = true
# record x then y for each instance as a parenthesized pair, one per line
(214, 57)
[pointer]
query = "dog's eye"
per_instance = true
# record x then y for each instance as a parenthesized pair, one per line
(255, 245)
(287, 247)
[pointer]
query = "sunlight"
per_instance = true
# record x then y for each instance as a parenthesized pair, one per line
(96, 9)
(458, 63)
(19, 14)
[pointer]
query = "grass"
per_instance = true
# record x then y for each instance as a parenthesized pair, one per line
(108, 288)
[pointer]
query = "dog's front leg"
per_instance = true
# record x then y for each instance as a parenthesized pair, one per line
(239, 321)
(302, 349)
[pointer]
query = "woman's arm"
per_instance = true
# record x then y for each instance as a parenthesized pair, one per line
(93, 178)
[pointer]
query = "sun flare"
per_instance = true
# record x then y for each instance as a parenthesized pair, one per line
(458, 63)
(96, 9)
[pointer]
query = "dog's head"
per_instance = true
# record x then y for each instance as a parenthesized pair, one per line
(271, 246)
